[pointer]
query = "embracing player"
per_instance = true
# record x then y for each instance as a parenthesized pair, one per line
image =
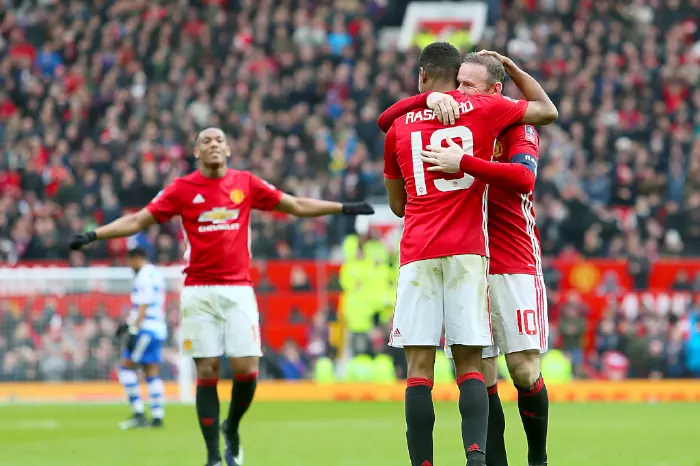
(516, 286)
(147, 332)
(219, 314)
(444, 246)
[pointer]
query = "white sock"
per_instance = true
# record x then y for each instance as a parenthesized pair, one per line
(156, 390)
(130, 381)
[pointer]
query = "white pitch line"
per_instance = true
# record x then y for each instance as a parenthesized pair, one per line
(45, 424)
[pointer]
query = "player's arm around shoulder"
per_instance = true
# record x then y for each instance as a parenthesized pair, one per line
(514, 174)
(520, 146)
(540, 112)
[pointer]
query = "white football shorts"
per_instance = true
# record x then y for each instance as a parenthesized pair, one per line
(220, 320)
(446, 292)
(518, 314)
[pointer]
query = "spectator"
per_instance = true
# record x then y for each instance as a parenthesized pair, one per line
(95, 120)
(682, 282)
(291, 362)
(298, 280)
(318, 336)
(607, 338)
(572, 327)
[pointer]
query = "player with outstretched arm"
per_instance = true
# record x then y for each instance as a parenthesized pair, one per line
(516, 287)
(444, 248)
(219, 313)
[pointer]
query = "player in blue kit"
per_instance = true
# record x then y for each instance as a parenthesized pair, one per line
(147, 332)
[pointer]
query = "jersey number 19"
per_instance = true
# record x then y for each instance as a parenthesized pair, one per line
(436, 140)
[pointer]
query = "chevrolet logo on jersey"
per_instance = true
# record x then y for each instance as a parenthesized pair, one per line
(219, 215)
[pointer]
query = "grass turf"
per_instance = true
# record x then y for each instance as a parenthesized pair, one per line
(343, 434)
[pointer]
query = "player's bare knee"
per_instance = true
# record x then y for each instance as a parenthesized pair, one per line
(207, 368)
(421, 361)
(128, 364)
(246, 365)
(489, 369)
(467, 358)
(524, 367)
(152, 370)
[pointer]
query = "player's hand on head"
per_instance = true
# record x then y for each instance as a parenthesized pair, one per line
(357, 208)
(443, 159)
(79, 240)
(444, 106)
(490, 53)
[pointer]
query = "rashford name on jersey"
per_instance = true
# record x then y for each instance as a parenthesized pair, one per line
(446, 214)
(215, 214)
(514, 238)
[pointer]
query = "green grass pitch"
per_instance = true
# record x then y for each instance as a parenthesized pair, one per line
(343, 434)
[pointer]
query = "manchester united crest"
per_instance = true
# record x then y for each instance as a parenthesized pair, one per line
(497, 150)
(584, 277)
(237, 196)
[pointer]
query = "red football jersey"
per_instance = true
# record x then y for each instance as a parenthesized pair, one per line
(446, 213)
(215, 214)
(514, 239)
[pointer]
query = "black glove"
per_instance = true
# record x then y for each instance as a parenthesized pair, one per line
(122, 330)
(131, 342)
(82, 239)
(357, 208)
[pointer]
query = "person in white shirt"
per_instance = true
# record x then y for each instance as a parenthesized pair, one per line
(147, 332)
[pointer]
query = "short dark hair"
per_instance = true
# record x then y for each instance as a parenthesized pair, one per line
(440, 61)
(136, 252)
(199, 133)
(495, 72)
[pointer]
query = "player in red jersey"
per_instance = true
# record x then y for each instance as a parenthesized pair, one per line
(517, 292)
(219, 313)
(444, 245)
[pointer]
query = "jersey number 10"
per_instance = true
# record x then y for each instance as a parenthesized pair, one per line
(436, 140)
(527, 322)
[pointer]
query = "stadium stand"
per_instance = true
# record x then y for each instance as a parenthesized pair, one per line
(99, 102)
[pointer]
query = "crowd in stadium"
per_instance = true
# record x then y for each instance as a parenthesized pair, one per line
(627, 342)
(100, 101)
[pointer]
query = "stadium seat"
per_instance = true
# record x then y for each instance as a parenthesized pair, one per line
(444, 369)
(360, 369)
(324, 371)
(384, 371)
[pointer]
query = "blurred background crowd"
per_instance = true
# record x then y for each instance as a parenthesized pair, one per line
(100, 102)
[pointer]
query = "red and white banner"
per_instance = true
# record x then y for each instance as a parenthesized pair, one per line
(459, 23)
